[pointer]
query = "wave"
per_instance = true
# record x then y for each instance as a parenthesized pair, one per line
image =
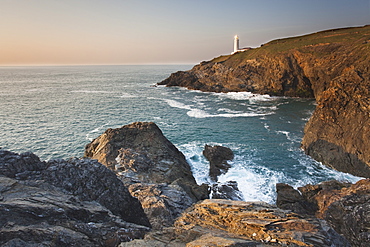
(199, 113)
(176, 104)
(126, 95)
(251, 97)
(196, 113)
(92, 91)
(91, 135)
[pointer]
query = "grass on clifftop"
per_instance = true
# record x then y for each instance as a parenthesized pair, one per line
(344, 36)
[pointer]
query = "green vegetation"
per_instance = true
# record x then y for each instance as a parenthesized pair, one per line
(344, 36)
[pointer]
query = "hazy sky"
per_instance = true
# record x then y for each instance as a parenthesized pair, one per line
(158, 31)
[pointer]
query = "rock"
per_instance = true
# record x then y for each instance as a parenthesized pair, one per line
(228, 190)
(290, 199)
(12, 165)
(345, 207)
(47, 216)
(78, 202)
(256, 223)
(331, 66)
(152, 167)
(91, 181)
(218, 157)
(162, 203)
(116, 148)
(87, 179)
(210, 240)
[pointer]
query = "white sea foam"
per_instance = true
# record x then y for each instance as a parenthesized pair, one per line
(200, 113)
(93, 133)
(198, 163)
(126, 95)
(176, 104)
(286, 133)
(247, 96)
(255, 183)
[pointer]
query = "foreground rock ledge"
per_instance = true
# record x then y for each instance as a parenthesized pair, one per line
(217, 222)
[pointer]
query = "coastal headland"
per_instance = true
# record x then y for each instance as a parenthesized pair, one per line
(331, 66)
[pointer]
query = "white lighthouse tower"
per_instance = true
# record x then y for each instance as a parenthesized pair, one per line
(236, 43)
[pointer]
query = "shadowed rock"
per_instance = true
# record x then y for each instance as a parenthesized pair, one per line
(228, 190)
(64, 203)
(217, 157)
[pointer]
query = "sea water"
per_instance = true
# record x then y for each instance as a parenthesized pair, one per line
(55, 111)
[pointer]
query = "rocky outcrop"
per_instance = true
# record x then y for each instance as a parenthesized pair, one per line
(217, 157)
(332, 66)
(64, 203)
(155, 171)
(346, 207)
(227, 190)
(216, 222)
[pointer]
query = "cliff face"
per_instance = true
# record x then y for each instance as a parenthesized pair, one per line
(331, 66)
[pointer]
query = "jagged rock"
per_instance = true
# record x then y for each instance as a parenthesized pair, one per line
(78, 202)
(87, 179)
(217, 157)
(332, 66)
(13, 165)
(152, 167)
(228, 190)
(346, 207)
(44, 215)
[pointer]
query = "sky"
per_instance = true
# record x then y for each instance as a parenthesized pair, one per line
(73, 32)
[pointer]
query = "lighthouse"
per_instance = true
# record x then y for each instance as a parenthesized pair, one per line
(236, 43)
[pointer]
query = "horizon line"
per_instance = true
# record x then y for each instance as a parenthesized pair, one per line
(123, 64)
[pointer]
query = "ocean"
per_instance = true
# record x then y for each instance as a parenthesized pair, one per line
(55, 111)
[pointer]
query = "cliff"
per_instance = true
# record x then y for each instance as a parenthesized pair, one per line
(331, 66)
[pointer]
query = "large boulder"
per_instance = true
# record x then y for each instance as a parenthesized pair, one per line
(64, 203)
(346, 207)
(155, 171)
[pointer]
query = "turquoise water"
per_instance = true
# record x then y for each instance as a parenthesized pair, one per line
(55, 111)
